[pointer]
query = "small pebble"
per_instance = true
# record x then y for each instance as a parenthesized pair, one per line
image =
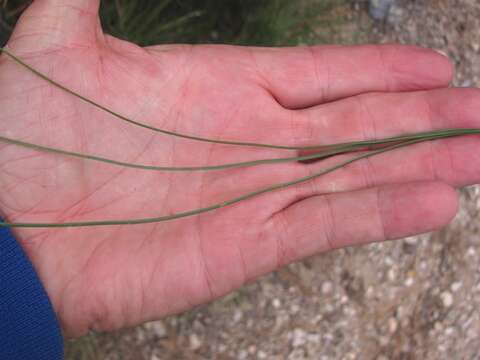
(411, 240)
(314, 338)
(392, 325)
(391, 274)
(383, 340)
(456, 286)
(195, 342)
(370, 292)
(262, 355)
(237, 316)
(438, 326)
(158, 328)
(447, 299)
(449, 331)
(294, 308)
(299, 337)
(327, 288)
(242, 355)
(276, 303)
(471, 251)
(396, 15)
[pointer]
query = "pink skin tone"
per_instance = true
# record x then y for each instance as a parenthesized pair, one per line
(106, 278)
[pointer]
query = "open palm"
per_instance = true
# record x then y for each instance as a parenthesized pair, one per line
(109, 277)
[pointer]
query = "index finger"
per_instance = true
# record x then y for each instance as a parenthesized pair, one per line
(300, 77)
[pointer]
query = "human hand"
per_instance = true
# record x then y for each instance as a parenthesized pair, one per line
(105, 278)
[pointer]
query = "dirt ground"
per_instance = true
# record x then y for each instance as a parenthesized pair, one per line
(418, 298)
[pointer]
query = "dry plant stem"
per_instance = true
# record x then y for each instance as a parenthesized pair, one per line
(218, 205)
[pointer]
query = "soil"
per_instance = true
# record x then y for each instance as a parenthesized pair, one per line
(417, 298)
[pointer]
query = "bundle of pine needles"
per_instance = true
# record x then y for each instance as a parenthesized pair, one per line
(317, 152)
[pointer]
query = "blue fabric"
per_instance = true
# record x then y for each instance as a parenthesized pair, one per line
(28, 325)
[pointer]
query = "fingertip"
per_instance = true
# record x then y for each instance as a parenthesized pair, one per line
(441, 66)
(47, 24)
(417, 208)
(443, 198)
(420, 68)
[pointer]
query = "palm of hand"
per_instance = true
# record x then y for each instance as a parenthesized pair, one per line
(109, 277)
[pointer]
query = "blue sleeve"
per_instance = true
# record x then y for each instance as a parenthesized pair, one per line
(28, 325)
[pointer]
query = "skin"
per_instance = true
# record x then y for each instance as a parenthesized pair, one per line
(111, 277)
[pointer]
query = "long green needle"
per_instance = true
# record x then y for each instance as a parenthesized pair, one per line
(322, 151)
(330, 150)
(316, 156)
(218, 205)
(197, 138)
(137, 123)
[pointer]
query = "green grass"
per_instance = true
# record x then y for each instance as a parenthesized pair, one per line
(245, 22)
(242, 22)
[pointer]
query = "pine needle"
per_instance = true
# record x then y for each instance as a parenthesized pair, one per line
(218, 205)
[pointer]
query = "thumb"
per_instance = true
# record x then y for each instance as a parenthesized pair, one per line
(55, 24)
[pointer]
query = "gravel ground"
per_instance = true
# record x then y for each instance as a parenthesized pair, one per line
(412, 299)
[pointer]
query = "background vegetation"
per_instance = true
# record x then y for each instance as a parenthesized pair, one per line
(252, 22)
